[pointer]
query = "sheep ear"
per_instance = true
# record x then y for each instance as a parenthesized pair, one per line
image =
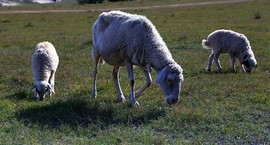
(161, 75)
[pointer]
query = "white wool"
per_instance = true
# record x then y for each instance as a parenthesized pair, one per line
(121, 38)
(235, 44)
(44, 62)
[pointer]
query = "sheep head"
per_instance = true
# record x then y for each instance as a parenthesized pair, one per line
(170, 79)
(41, 89)
(248, 63)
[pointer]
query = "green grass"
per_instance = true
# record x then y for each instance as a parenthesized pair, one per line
(214, 108)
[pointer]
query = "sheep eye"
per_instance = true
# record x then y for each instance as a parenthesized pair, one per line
(171, 81)
(173, 78)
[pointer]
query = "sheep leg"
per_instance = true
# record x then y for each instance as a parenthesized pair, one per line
(232, 60)
(115, 74)
(51, 82)
(216, 60)
(133, 101)
(210, 61)
(51, 79)
(94, 75)
(147, 83)
(242, 67)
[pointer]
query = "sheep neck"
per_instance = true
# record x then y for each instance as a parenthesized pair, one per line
(161, 62)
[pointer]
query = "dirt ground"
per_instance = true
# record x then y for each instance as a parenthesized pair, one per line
(126, 8)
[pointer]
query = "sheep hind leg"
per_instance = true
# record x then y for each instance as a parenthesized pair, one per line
(210, 61)
(94, 75)
(115, 74)
(139, 92)
(133, 101)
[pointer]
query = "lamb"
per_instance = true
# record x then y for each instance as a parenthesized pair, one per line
(235, 44)
(123, 39)
(44, 62)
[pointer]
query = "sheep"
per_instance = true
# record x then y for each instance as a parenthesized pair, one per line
(235, 44)
(123, 39)
(44, 62)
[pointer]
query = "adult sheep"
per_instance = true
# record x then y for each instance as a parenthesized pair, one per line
(123, 39)
(44, 62)
(233, 43)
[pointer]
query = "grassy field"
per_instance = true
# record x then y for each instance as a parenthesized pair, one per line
(214, 108)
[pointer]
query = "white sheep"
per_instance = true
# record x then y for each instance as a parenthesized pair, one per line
(44, 62)
(123, 39)
(233, 43)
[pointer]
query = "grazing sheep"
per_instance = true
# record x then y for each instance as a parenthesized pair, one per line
(233, 43)
(123, 39)
(44, 62)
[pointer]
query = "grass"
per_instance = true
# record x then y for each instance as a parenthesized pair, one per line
(214, 108)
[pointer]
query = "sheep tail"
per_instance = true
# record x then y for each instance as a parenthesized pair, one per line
(205, 44)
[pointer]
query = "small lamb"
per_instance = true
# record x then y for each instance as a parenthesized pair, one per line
(123, 39)
(44, 62)
(233, 43)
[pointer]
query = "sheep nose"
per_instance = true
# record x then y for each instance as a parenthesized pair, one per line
(172, 101)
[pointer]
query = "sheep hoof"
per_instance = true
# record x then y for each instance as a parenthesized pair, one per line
(233, 71)
(121, 99)
(136, 104)
(133, 102)
(94, 95)
(208, 69)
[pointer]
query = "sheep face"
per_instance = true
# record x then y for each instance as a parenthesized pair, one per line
(41, 88)
(249, 63)
(170, 80)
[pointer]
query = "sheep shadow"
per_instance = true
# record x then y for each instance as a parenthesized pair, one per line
(79, 112)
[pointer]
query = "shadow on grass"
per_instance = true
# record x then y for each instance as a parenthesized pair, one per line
(85, 112)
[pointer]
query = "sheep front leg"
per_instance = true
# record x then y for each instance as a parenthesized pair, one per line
(94, 76)
(133, 101)
(147, 83)
(115, 74)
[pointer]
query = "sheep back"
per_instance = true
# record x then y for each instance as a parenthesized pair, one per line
(44, 60)
(119, 36)
(227, 41)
